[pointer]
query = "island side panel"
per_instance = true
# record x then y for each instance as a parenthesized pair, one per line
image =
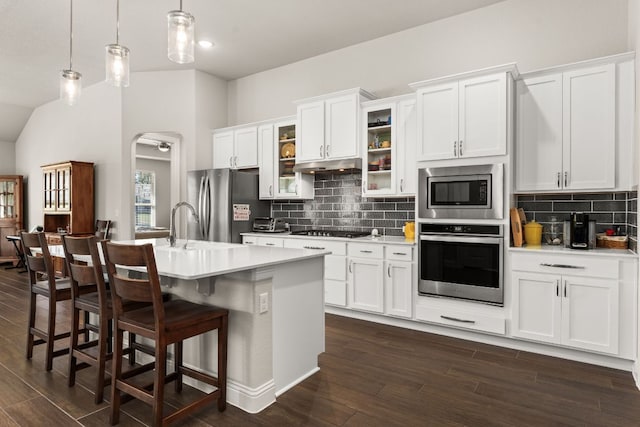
(298, 321)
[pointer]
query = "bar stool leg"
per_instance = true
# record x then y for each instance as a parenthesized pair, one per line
(178, 366)
(51, 332)
(158, 387)
(104, 326)
(75, 320)
(31, 325)
(222, 362)
(116, 374)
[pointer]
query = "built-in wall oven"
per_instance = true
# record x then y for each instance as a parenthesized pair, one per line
(462, 261)
(461, 192)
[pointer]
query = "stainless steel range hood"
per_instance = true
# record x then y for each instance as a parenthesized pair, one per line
(333, 166)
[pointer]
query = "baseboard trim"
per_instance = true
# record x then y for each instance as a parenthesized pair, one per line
(297, 381)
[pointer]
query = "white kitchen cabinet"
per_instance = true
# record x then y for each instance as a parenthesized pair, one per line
(235, 148)
(389, 146)
(223, 149)
(288, 184)
(335, 267)
(406, 123)
(573, 124)
(464, 117)
(366, 287)
(398, 292)
(266, 174)
(583, 302)
(328, 126)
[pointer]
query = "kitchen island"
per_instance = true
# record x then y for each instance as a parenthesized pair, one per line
(275, 298)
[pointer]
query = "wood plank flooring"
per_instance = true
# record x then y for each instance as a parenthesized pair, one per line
(371, 375)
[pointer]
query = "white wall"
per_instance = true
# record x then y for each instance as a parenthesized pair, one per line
(535, 34)
(89, 131)
(7, 158)
(211, 113)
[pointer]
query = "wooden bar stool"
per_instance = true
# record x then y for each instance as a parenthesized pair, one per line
(88, 274)
(50, 287)
(165, 323)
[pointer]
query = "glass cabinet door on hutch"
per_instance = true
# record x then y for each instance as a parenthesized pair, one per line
(10, 214)
(64, 189)
(50, 189)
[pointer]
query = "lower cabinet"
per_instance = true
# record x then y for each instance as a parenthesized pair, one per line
(562, 301)
(366, 286)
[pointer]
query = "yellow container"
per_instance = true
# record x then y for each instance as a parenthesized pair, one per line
(409, 230)
(533, 233)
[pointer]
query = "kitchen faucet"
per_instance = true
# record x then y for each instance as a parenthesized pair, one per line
(172, 226)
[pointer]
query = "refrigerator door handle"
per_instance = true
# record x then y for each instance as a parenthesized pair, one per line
(207, 213)
(200, 213)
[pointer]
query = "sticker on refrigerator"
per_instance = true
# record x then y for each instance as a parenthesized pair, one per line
(241, 212)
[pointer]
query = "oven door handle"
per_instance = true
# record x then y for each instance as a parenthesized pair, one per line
(461, 239)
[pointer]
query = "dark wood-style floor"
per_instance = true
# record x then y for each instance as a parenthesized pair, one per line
(371, 375)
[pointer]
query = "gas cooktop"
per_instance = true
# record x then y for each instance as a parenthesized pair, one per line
(349, 234)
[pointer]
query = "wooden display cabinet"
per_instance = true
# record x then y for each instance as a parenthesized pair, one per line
(11, 216)
(68, 193)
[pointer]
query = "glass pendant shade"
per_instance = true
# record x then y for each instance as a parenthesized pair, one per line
(70, 86)
(181, 29)
(117, 65)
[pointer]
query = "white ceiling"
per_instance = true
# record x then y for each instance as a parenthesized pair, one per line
(249, 36)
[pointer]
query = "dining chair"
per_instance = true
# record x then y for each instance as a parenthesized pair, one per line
(103, 229)
(164, 322)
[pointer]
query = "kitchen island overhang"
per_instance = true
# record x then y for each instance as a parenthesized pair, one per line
(275, 298)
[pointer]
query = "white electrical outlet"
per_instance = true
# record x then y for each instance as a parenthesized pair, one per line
(264, 302)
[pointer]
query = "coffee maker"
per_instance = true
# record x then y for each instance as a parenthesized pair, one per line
(581, 232)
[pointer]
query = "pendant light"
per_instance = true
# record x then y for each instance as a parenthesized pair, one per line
(181, 28)
(117, 58)
(70, 81)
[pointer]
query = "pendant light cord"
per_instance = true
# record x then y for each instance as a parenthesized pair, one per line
(71, 37)
(118, 22)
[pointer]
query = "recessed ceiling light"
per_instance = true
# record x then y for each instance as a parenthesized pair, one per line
(205, 44)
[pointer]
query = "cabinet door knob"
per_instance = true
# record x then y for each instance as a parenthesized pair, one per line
(455, 148)
(558, 180)
(231, 161)
(401, 185)
(350, 264)
(389, 270)
(557, 288)
(566, 179)
(326, 154)
(321, 150)
(460, 148)
(271, 190)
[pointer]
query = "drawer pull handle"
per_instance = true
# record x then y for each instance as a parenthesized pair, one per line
(544, 264)
(455, 319)
(248, 243)
(399, 253)
(312, 247)
(366, 252)
(270, 244)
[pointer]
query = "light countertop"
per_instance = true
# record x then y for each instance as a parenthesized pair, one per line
(396, 240)
(208, 259)
(551, 249)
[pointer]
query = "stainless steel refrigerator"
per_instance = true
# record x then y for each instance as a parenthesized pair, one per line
(226, 202)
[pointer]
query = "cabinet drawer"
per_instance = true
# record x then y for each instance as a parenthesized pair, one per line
(574, 265)
(270, 241)
(336, 248)
(335, 293)
(363, 250)
(461, 319)
(249, 240)
(399, 253)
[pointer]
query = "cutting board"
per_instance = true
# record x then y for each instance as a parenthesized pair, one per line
(516, 226)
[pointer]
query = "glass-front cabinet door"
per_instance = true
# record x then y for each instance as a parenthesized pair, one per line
(50, 189)
(287, 179)
(7, 199)
(380, 139)
(64, 189)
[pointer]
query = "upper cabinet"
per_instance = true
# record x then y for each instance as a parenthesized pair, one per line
(278, 149)
(327, 126)
(235, 148)
(389, 146)
(574, 126)
(464, 116)
(68, 197)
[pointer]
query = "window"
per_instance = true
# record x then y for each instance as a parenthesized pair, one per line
(145, 204)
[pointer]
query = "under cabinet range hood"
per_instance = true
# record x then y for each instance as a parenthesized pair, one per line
(333, 166)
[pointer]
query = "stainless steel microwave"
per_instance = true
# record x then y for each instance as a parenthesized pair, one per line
(461, 192)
